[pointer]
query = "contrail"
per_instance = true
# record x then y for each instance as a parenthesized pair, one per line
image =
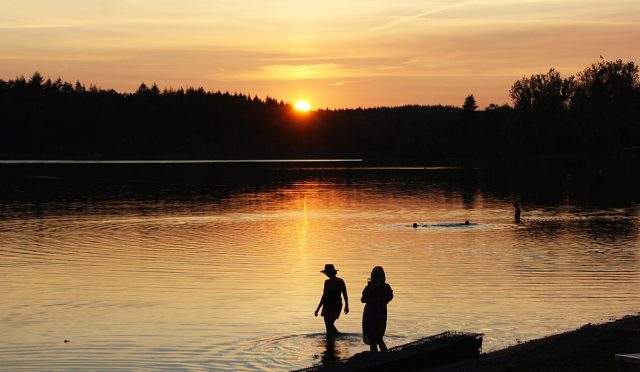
(429, 12)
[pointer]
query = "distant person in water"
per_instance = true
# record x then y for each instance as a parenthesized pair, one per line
(376, 295)
(516, 214)
(331, 301)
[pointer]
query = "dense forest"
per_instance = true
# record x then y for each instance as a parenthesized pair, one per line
(595, 111)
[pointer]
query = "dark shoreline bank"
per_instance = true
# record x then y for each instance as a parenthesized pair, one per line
(548, 183)
(627, 159)
(591, 347)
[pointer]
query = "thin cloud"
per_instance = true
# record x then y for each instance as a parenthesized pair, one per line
(344, 82)
(420, 15)
(32, 27)
(303, 59)
(297, 72)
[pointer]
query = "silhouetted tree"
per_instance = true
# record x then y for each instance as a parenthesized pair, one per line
(470, 103)
(36, 81)
(607, 104)
(542, 92)
(541, 102)
(142, 89)
(154, 89)
(79, 87)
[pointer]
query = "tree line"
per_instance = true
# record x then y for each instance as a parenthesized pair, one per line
(595, 111)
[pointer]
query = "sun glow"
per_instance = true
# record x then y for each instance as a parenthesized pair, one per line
(302, 106)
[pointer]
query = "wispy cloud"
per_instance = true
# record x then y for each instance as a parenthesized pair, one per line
(345, 82)
(32, 26)
(296, 72)
(319, 58)
(420, 15)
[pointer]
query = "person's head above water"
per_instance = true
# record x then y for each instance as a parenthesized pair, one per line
(377, 275)
(329, 270)
(466, 222)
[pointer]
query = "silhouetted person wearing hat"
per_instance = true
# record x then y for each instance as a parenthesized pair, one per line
(331, 302)
(376, 295)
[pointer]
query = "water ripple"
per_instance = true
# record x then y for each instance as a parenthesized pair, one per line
(209, 284)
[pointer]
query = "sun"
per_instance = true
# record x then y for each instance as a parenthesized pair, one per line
(302, 106)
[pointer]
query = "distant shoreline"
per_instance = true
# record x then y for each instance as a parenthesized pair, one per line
(621, 164)
(174, 161)
(625, 158)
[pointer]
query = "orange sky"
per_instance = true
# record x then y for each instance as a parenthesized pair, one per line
(347, 53)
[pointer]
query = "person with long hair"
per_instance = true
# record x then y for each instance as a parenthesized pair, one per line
(376, 295)
(331, 302)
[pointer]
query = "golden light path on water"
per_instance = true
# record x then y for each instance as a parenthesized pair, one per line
(231, 282)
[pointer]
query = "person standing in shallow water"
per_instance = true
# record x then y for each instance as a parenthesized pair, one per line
(376, 295)
(331, 301)
(516, 214)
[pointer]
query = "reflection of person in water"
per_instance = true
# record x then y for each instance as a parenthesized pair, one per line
(516, 214)
(376, 295)
(331, 302)
(330, 355)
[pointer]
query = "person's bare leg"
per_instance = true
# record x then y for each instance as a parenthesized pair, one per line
(332, 331)
(383, 346)
(374, 346)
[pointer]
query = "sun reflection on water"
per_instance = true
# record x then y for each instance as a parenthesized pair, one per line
(303, 232)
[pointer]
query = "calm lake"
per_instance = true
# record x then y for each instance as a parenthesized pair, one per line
(217, 267)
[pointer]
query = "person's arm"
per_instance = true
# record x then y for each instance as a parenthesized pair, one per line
(346, 298)
(324, 291)
(364, 298)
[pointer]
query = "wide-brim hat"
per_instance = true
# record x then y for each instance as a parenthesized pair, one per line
(328, 268)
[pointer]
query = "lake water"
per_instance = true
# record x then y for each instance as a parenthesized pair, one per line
(220, 271)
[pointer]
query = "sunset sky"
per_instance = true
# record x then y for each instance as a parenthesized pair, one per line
(334, 54)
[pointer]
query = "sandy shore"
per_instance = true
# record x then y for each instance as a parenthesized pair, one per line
(589, 348)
